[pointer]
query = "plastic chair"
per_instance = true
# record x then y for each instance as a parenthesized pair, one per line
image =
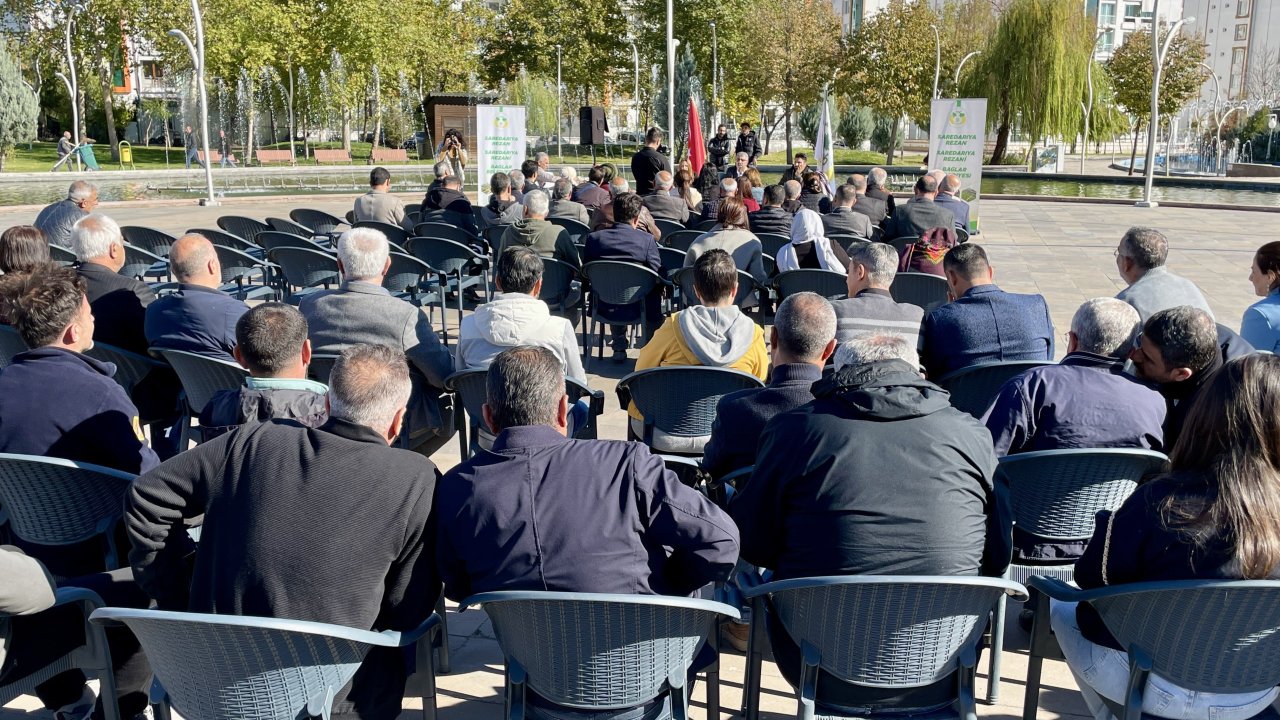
(396, 235)
(1054, 495)
(62, 256)
(921, 289)
(244, 227)
(683, 279)
(470, 387)
(93, 657)
(407, 280)
(974, 388)
(239, 269)
(11, 345)
(307, 270)
(682, 239)
(901, 243)
(221, 238)
(455, 262)
(962, 234)
(149, 239)
(272, 239)
(131, 367)
(680, 400)
(444, 231)
(201, 378)
(616, 283)
(557, 284)
(288, 226)
(317, 221)
(600, 652)
(771, 243)
(230, 667)
(140, 264)
(578, 231)
(1210, 636)
(687, 470)
(882, 631)
(827, 283)
(846, 240)
(706, 225)
(672, 260)
(666, 227)
(51, 501)
(321, 366)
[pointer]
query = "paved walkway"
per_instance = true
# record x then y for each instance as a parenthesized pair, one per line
(1063, 251)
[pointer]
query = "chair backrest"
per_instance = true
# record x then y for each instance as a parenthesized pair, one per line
(405, 274)
(1055, 494)
(11, 344)
(974, 388)
(443, 231)
(577, 231)
(845, 240)
(681, 400)
(271, 239)
(1202, 635)
(672, 259)
(888, 631)
(619, 283)
(137, 262)
(62, 256)
(317, 221)
(304, 268)
(130, 367)
(151, 240)
(684, 279)
(666, 227)
(827, 283)
(321, 366)
(682, 239)
(469, 385)
(920, 289)
(246, 668)
(557, 281)
(244, 227)
(901, 243)
(59, 502)
(596, 651)
(285, 225)
(395, 235)
(222, 238)
(203, 377)
(771, 243)
(236, 264)
(446, 256)
(962, 234)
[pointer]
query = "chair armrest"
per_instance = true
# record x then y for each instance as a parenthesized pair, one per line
(624, 396)
(1055, 588)
(68, 595)
(410, 637)
(597, 402)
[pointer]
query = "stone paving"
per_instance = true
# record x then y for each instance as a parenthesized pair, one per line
(1061, 250)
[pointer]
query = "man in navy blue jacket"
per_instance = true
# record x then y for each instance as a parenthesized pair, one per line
(199, 318)
(626, 242)
(984, 324)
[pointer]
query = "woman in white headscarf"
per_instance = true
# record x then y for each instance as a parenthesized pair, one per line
(809, 247)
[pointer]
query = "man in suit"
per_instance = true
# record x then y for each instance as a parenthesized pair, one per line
(771, 218)
(662, 204)
(119, 303)
(1141, 258)
(801, 340)
(948, 198)
(602, 217)
(877, 188)
(741, 163)
(362, 312)
(873, 208)
(198, 318)
(842, 220)
(920, 214)
(592, 194)
(339, 530)
(55, 220)
(624, 241)
(563, 207)
(984, 324)
(379, 205)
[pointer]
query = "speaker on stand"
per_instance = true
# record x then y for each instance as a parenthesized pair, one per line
(592, 127)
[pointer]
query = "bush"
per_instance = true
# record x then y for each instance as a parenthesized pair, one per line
(882, 132)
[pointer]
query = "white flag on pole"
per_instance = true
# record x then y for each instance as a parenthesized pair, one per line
(824, 151)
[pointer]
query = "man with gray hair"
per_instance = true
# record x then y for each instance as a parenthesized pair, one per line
(570, 173)
(870, 306)
(119, 302)
(545, 176)
(603, 215)
(842, 220)
(878, 475)
(362, 312)
(948, 199)
(878, 188)
(792, 203)
(1141, 258)
(873, 208)
(662, 204)
(199, 318)
(55, 220)
(562, 205)
(711, 206)
(442, 170)
(324, 524)
(535, 231)
(920, 214)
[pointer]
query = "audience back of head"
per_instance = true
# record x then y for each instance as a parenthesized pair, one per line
(369, 386)
(715, 277)
(1187, 337)
(537, 203)
(875, 347)
(379, 176)
(23, 249)
(364, 253)
(626, 207)
(190, 256)
(518, 270)
(806, 324)
(880, 260)
(774, 196)
(269, 339)
(42, 303)
(1147, 247)
(524, 387)
(93, 235)
(1105, 326)
(563, 188)
(846, 196)
(732, 213)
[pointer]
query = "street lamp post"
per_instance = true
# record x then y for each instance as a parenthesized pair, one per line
(715, 73)
(73, 87)
(1157, 59)
(635, 89)
(937, 60)
(960, 67)
(671, 79)
(559, 115)
(197, 61)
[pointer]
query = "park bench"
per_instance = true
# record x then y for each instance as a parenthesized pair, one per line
(214, 155)
(331, 156)
(274, 156)
(381, 155)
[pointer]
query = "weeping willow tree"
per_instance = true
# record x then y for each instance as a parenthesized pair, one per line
(538, 96)
(1033, 69)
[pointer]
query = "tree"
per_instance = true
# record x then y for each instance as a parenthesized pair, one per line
(855, 125)
(808, 119)
(1131, 69)
(539, 99)
(18, 107)
(1033, 69)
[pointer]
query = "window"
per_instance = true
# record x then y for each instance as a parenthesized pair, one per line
(1132, 11)
(1242, 31)
(1242, 9)
(1107, 14)
(152, 70)
(1235, 86)
(1108, 41)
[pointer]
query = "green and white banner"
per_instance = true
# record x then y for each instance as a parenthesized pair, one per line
(957, 144)
(500, 143)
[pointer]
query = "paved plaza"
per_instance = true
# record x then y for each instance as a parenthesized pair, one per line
(1061, 250)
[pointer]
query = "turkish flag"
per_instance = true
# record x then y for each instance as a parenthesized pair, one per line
(697, 149)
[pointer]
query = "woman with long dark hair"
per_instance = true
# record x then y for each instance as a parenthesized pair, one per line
(22, 249)
(453, 150)
(684, 187)
(1261, 324)
(1214, 515)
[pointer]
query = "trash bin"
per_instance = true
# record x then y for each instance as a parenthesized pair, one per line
(86, 156)
(126, 155)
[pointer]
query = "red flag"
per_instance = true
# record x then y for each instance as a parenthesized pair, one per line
(697, 149)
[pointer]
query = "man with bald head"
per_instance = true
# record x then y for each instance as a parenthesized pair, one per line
(199, 318)
(873, 208)
(948, 198)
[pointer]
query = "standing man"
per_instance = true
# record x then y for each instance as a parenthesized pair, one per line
(646, 164)
(224, 150)
(718, 149)
(65, 146)
(748, 142)
(192, 145)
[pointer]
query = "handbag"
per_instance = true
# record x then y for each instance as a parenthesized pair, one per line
(925, 255)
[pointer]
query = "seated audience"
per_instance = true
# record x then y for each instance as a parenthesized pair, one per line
(984, 324)
(535, 231)
(873, 208)
(732, 236)
(728, 188)
(921, 214)
(432, 201)
(713, 334)
(1141, 258)
(339, 531)
(22, 249)
(603, 215)
(592, 194)
(272, 344)
(799, 167)
(55, 220)
(1260, 326)
(529, 169)
(870, 306)
(792, 203)
(455, 207)
(809, 247)
(564, 208)
(842, 220)
(119, 303)
(801, 341)
(379, 205)
(662, 204)
(685, 189)
(624, 241)
(948, 197)
(1177, 350)
(818, 503)
(198, 318)
(926, 253)
(756, 191)
(771, 218)
(362, 312)
(516, 176)
(1214, 516)
(741, 163)
(502, 208)
(878, 189)
(747, 189)
(812, 192)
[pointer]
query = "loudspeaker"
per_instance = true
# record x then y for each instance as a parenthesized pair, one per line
(592, 125)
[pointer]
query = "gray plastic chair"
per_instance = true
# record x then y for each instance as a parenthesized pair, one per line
(443, 231)
(666, 227)
(321, 366)
(288, 226)
(681, 400)
(201, 378)
(272, 239)
(240, 270)
(683, 279)
(845, 240)
(317, 221)
(11, 344)
(974, 388)
(616, 283)
(141, 264)
(131, 368)
(771, 243)
(149, 239)
(51, 501)
(681, 239)
(1209, 636)
(1054, 495)
(882, 631)
(93, 657)
(827, 283)
(455, 262)
(222, 238)
(408, 279)
(304, 269)
(226, 667)
(901, 243)
(600, 652)
(243, 227)
(396, 235)
(920, 289)
(579, 231)
(558, 277)
(62, 256)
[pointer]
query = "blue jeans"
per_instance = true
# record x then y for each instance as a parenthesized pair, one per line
(1104, 672)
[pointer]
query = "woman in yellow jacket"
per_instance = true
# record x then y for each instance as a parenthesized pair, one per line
(713, 334)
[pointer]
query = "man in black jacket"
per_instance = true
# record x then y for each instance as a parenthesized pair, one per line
(873, 208)
(748, 142)
(646, 164)
(771, 217)
(325, 524)
(842, 220)
(878, 189)
(921, 214)
(119, 303)
(718, 149)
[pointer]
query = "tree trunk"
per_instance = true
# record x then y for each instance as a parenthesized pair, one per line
(765, 130)
(346, 130)
(787, 128)
(109, 113)
(893, 143)
(1133, 156)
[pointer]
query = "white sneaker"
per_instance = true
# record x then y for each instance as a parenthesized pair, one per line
(81, 709)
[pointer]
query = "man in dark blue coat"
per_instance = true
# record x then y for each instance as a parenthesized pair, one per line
(624, 241)
(984, 324)
(199, 318)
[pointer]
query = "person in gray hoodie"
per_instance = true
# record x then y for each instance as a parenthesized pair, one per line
(535, 231)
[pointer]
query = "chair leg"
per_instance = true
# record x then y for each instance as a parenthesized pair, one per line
(997, 648)
(808, 690)
(442, 651)
(1040, 638)
(713, 675)
(755, 658)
